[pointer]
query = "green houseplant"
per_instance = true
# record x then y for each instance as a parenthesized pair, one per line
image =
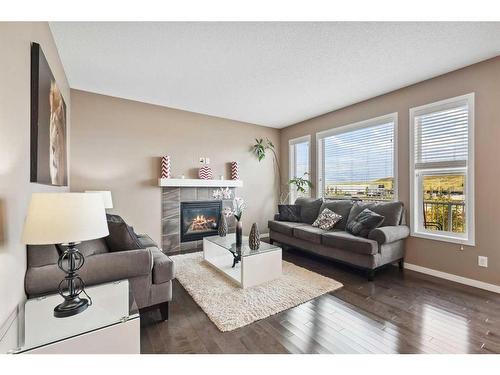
(301, 183)
(261, 148)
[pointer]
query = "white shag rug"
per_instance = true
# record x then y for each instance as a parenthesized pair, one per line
(231, 307)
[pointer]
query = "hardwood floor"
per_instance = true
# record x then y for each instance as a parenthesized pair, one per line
(400, 312)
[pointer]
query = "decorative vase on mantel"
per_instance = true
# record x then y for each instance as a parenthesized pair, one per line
(254, 237)
(165, 167)
(222, 230)
(239, 233)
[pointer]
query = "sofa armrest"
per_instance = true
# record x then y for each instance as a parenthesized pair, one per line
(389, 234)
(163, 267)
(98, 269)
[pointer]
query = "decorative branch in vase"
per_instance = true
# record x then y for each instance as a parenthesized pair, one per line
(238, 207)
(260, 149)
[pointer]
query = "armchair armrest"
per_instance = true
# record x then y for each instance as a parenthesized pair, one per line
(389, 234)
(163, 267)
(117, 265)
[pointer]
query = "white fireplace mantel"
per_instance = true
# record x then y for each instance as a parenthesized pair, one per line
(196, 182)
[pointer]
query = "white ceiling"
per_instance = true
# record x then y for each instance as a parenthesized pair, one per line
(273, 74)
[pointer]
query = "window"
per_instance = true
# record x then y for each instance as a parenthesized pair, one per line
(299, 163)
(441, 170)
(358, 161)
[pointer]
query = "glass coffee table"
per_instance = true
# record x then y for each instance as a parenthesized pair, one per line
(244, 266)
(110, 325)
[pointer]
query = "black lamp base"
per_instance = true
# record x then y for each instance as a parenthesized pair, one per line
(71, 307)
(70, 261)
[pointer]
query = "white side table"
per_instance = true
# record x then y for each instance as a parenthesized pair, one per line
(110, 325)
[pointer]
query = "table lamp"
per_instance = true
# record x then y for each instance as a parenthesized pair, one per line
(106, 197)
(66, 219)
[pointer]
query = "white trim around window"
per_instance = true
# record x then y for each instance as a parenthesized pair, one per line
(291, 159)
(420, 170)
(320, 136)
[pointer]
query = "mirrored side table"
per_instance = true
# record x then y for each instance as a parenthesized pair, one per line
(111, 325)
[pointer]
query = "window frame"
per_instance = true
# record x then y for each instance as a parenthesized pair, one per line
(291, 161)
(320, 136)
(416, 193)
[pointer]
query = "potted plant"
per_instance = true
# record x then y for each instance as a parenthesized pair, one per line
(301, 183)
(260, 149)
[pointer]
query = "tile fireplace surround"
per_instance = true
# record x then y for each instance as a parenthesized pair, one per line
(171, 198)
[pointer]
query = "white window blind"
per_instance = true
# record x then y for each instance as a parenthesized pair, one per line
(301, 159)
(358, 161)
(442, 138)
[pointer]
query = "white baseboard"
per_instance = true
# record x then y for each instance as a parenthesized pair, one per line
(455, 278)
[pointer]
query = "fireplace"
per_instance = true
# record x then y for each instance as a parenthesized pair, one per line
(199, 219)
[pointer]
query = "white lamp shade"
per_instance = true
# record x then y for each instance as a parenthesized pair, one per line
(55, 218)
(106, 197)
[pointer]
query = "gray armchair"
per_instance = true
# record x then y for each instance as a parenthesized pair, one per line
(149, 271)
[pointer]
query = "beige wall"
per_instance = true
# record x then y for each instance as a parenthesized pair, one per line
(117, 145)
(15, 188)
(484, 80)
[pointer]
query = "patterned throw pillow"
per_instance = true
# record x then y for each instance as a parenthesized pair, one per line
(327, 219)
(362, 224)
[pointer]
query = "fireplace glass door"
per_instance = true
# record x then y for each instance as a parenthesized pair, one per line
(199, 219)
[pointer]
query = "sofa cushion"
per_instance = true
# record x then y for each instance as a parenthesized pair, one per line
(309, 209)
(121, 236)
(90, 247)
(345, 241)
(146, 241)
(391, 211)
(42, 255)
(327, 219)
(341, 207)
(309, 233)
(289, 212)
(364, 223)
(285, 227)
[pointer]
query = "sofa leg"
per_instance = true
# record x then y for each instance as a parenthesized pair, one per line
(371, 275)
(164, 310)
(401, 264)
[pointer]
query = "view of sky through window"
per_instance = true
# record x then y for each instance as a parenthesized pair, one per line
(360, 163)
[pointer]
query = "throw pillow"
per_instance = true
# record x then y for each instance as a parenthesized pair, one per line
(309, 208)
(364, 222)
(327, 219)
(121, 236)
(289, 212)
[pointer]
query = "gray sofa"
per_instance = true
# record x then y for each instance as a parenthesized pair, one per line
(384, 244)
(149, 271)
